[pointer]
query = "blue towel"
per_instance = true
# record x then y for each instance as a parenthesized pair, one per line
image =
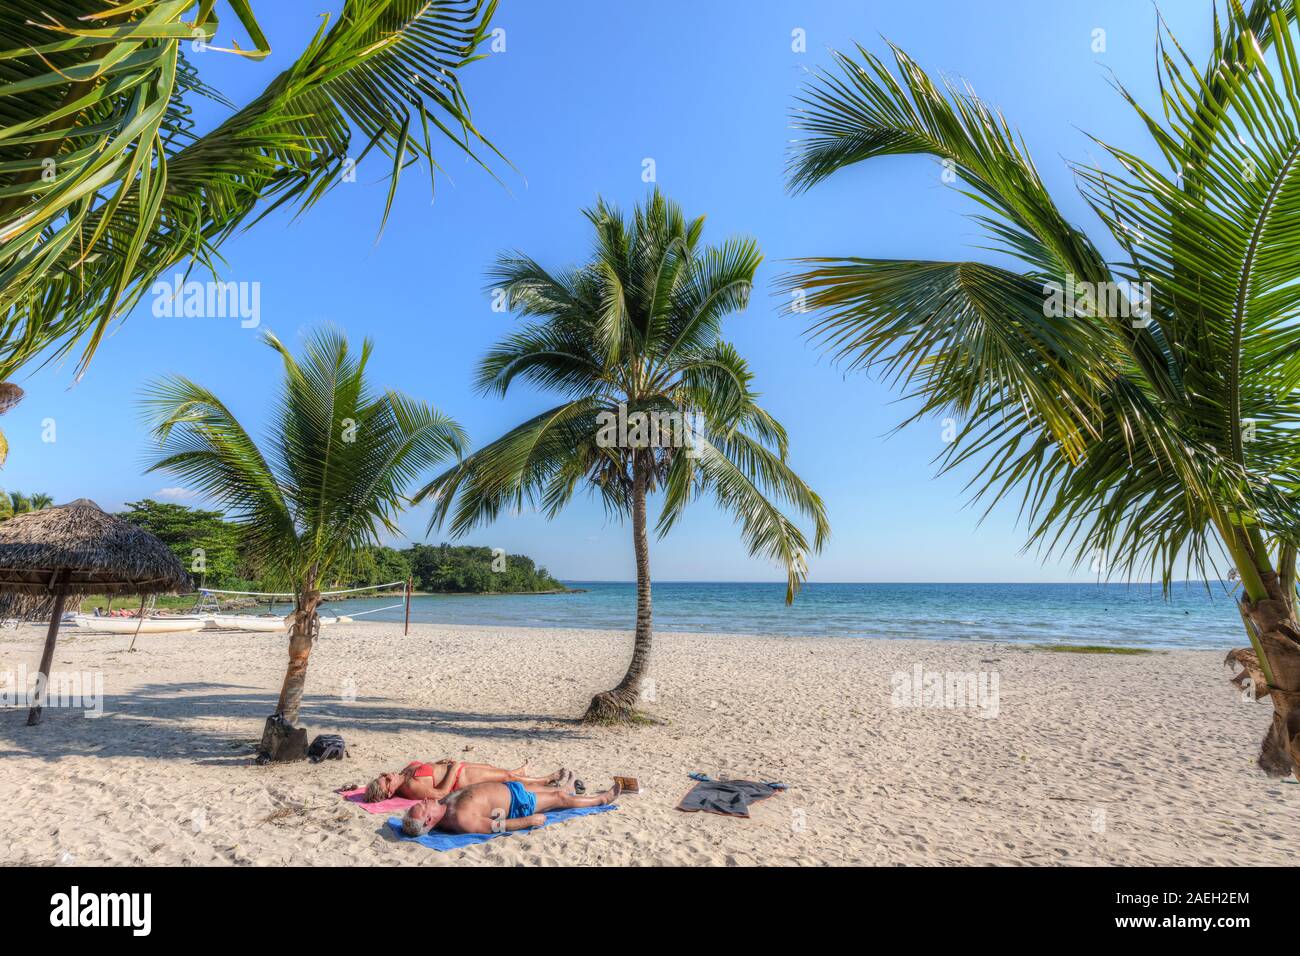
(437, 840)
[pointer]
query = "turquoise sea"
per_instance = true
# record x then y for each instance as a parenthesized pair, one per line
(1113, 614)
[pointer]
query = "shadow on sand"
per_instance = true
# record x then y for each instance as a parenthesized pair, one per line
(154, 721)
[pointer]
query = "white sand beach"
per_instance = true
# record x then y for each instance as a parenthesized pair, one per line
(1091, 759)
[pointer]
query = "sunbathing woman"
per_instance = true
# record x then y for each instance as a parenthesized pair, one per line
(433, 781)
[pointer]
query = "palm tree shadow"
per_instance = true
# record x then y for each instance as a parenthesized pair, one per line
(158, 721)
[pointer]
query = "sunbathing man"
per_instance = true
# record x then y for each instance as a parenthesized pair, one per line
(497, 808)
(433, 781)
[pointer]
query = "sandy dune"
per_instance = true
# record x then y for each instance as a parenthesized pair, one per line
(1090, 759)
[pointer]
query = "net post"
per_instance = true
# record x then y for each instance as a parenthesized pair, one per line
(407, 628)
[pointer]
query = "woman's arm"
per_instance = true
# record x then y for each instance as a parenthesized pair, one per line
(453, 770)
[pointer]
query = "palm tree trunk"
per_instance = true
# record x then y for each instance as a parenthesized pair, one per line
(302, 635)
(619, 705)
(1279, 638)
(1275, 637)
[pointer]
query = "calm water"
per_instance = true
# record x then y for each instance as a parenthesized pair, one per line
(1116, 614)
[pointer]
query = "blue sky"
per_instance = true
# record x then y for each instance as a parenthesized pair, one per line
(581, 95)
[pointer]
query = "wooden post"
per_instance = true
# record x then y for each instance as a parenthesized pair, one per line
(139, 624)
(409, 581)
(47, 656)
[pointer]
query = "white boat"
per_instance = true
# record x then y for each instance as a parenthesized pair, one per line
(247, 622)
(132, 625)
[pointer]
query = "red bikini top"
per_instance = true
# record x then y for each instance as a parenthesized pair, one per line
(421, 769)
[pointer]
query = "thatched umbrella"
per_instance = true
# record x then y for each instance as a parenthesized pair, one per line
(77, 549)
(10, 395)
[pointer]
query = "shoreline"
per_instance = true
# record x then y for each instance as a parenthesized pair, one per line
(1076, 761)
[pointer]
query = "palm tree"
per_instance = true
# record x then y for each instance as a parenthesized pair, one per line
(632, 342)
(105, 186)
(18, 503)
(1145, 435)
(331, 474)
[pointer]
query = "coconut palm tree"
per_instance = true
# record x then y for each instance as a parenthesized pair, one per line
(1143, 410)
(105, 185)
(330, 476)
(653, 400)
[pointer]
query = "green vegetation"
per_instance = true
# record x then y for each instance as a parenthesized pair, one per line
(1141, 409)
(215, 552)
(211, 548)
(169, 602)
(105, 184)
(16, 503)
(447, 569)
(467, 569)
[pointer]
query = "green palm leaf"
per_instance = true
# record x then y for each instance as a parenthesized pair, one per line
(104, 186)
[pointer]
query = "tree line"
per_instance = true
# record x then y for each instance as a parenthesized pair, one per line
(218, 555)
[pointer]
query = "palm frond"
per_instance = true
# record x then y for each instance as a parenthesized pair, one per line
(137, 194)
(335, 472)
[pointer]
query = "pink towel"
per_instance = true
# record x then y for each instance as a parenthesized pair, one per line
(391, 805)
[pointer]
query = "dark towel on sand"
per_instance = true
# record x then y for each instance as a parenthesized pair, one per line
(728, 797)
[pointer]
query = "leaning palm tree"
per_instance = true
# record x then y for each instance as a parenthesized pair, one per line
(1142, 410)
(331, 475)
(105, 185)
(654, 399)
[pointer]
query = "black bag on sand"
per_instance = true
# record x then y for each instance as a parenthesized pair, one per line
(327, 747)
(282, 742)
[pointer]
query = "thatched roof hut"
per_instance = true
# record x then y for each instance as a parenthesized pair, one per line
(10, 395)
(76, 549)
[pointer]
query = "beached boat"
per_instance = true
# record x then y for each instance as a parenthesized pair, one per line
(131, 625)
(247, 622)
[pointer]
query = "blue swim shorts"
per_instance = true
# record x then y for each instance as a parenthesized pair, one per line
(522, 803)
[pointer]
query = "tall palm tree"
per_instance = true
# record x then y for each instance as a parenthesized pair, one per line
(331, 474)
(105, 185)
(1150, 434)
(635, 333)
